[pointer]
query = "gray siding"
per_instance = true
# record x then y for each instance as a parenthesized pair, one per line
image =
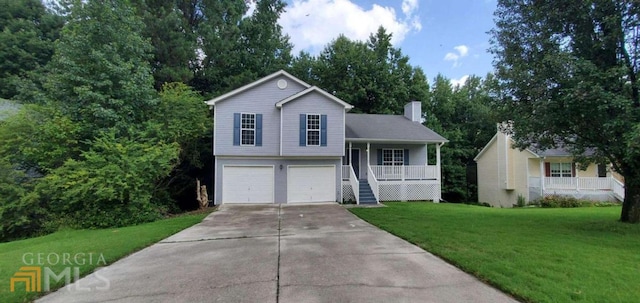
(280, 178)
(312, 103)
(260, 100)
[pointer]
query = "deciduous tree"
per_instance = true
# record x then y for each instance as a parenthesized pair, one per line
(569, 73)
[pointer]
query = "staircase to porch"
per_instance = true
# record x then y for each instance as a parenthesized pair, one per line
(366, 194)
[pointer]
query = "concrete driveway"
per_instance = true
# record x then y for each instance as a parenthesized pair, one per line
(288, 253)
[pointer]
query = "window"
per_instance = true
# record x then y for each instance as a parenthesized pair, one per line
(313, 130)
(248, 129)
(561, 170)
(393, 157)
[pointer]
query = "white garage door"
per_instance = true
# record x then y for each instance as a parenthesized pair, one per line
(311, 183)
(247, 184)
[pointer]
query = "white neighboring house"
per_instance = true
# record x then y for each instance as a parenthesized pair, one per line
(281, 140)
(504, 173)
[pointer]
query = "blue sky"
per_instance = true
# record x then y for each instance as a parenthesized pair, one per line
(447, 37)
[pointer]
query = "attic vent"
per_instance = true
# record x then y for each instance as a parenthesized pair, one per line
(282, 84)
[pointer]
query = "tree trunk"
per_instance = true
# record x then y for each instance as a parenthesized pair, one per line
(631, 205)
(201, 195)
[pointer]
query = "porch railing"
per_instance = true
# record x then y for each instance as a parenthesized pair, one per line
(355, 184)
(345, 172)
(587, 183)
(373, 183)
(618, 188)
(404, 172)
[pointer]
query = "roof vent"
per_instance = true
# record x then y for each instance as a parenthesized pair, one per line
(282, 84)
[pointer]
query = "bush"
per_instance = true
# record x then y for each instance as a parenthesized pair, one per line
(111, 185)
(555, 201)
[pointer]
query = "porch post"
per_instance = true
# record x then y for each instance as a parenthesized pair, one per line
(350, 147)
(368, 156)
(542, 176)
(577, 177)
(439, 173)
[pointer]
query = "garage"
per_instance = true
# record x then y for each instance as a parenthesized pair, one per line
(247, 184)
(311, 183)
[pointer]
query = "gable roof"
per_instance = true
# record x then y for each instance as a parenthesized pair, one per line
(374, 127)
(329, 96)
(254, 84)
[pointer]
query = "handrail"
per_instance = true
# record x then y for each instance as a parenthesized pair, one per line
(373, 182)
(617, 187)
(355, 184)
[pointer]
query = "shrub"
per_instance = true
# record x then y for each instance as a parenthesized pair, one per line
(555, 201)
(522, 201)
(112, 184)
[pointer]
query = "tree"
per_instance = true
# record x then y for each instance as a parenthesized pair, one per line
(99, 75)
(569, 74)
(27, 32)
(373, 76)
(173, 37)
(462, 115)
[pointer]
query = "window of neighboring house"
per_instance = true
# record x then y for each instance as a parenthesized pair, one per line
(313, 130)
(248, 129)
(393, 157)
(561, 170)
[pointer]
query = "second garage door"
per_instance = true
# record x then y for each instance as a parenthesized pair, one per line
(247, 184)
(311, 183)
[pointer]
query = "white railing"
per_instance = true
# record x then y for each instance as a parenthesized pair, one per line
(355, 184)
(618, 188)
(373, 183)
(404, 172)
(345, 172)
(578, 183)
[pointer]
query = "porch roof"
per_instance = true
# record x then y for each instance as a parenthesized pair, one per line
(394, 128)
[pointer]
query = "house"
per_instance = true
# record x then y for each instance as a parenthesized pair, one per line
(281, 140)
(505, 173)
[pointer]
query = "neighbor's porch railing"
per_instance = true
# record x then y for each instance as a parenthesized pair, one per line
(404, 172)
(618, 188)
(577, 183)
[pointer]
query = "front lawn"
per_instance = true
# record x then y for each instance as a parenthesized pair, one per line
(86, 250)
(536, 255)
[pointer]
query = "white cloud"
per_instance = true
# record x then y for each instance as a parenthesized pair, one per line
(459, 82)
(312, 24)
(461, 51)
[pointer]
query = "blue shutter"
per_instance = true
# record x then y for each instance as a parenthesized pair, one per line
(258, 129)
(323, 130)
(379, 157)
(236, 129)
(303, 130)
(406, 157)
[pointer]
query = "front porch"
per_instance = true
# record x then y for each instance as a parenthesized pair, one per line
(394, 178)
(591, 188)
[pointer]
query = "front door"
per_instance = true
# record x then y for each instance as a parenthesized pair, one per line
(355, 159)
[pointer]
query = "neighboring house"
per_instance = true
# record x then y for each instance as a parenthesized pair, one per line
(504, 173)
(281, 140)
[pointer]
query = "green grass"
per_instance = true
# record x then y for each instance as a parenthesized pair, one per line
(536, 255)
(112, 244)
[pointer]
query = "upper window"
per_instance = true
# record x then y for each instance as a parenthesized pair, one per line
(393, 157)
(313, 130)
(248, 129)
(561, 170)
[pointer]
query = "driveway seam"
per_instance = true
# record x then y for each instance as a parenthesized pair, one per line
(278, 271)
(215, 239)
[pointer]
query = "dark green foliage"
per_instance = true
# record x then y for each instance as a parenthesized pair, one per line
(100, 75)
(569, 74)
(111, 184)
(462, 115)
(27, 32)
(373, 76)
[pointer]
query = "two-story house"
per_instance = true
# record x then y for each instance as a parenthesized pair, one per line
(281, 140)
